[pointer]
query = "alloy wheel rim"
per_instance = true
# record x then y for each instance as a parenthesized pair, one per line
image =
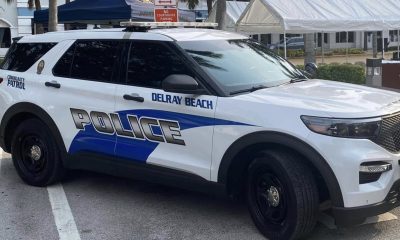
(33, 154)
(271, 198)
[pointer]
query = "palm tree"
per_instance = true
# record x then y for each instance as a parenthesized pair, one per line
(209, 5)
(191, 3)
(67, 26)
(34, 3)
(53, 15)
(221, 11)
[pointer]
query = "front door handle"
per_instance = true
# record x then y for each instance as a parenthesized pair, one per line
(53, 84)
(133, 97)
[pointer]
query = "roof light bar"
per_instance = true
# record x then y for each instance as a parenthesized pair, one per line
(168, 24)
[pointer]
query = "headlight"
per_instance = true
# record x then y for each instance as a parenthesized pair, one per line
(346, 128)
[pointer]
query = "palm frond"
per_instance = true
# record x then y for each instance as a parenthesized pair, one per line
(191, 3)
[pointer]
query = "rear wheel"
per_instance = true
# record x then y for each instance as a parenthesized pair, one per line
(282, 196)
(35, 154)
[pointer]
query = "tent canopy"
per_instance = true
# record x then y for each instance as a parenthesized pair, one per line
(105, 11)
(86, 11)
(309, 16)
(233, 11)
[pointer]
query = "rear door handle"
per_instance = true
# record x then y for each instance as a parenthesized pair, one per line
(53, 84)
(133, 97)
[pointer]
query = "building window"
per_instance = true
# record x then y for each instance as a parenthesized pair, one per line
(341, 37)
(394, 36)
(320, 39)
(266, 38)
(289, 35)
(5, 38)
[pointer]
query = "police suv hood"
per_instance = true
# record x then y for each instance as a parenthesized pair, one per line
(331, 98)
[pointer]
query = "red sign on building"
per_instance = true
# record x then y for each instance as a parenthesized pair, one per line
(166, 15)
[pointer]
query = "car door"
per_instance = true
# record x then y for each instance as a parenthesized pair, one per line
(171, 130)
(81, 94)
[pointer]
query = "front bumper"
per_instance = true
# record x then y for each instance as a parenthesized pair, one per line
(356, 215)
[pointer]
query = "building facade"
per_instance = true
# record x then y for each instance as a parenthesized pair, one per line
(8, 24)
(16, 21)
(338, 40)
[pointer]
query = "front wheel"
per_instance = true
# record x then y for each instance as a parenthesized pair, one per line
(282, 196)
(35, 154)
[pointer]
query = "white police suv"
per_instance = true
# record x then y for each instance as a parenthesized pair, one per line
(201, 109)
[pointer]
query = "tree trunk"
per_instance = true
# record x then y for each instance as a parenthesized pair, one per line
(365, 41)
(375, 44)
(309, 48)
(38, 6)
(67, 26)
(221, 11)
(53, 16)
(209, 6)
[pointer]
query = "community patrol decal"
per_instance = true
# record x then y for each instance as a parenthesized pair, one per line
(16, 82)
(179, 100)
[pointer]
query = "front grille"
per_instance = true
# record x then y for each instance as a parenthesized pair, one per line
(389, 136)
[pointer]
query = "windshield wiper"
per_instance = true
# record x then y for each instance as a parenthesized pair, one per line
(252, 89)
(296, 80)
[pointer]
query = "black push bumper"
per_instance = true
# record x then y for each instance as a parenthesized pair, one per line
(357, 215)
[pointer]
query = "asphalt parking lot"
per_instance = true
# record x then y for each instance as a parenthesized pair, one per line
(102, 207)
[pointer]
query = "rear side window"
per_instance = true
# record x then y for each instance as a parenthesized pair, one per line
(22, 56)
(89, 60)
(63, 66)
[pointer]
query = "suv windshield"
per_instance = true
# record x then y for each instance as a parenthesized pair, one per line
(240, 65)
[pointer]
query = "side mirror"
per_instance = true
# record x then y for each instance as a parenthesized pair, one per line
(180, 83)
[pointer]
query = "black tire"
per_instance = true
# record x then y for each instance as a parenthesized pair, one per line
(35, 154)
(282, 196)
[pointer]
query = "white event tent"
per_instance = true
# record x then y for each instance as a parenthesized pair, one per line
(311, 16)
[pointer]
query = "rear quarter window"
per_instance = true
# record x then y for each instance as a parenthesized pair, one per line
(21, 56)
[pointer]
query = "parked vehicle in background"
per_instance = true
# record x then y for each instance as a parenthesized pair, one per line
(294, 43)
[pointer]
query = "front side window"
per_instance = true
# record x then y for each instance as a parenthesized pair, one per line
(240, 64)
(21, 56)
(149, 63)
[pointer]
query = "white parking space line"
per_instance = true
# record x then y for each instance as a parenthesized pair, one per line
(63, 217)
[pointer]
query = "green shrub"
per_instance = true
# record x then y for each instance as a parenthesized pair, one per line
(292, 53)
(301, 67)
(350, 73)
(342, 51)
